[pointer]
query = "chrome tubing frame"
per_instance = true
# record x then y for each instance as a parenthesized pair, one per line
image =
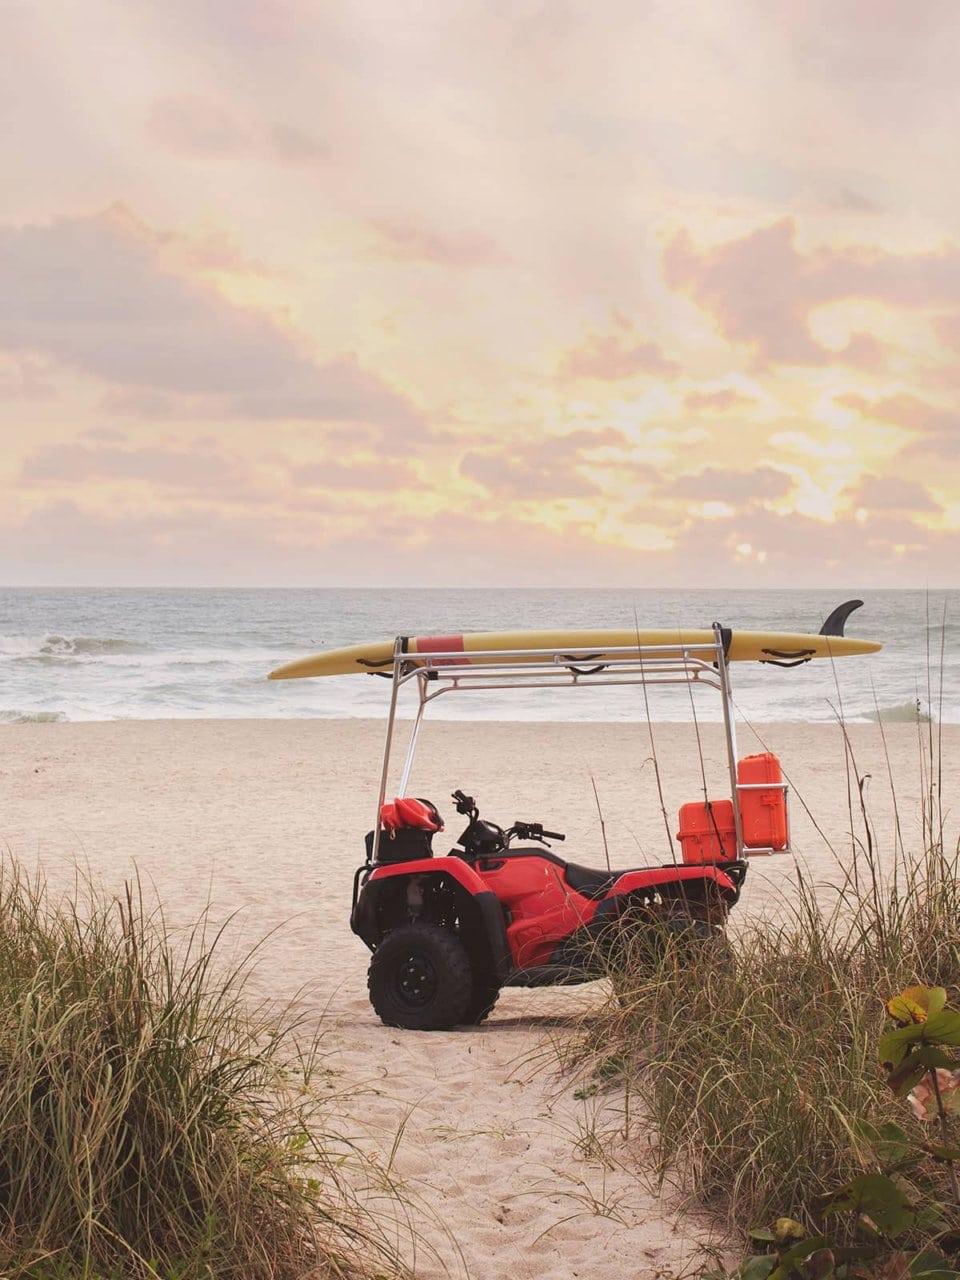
(446, 672)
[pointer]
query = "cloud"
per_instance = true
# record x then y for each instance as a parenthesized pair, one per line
(761, 289)
(545, 469)
(319, 540)
(142, 403)
(615, 356)
(205, 251)
(294, 147)
(720, 401)
(195, 126)
(719, 485)
(947, 329)
(516, 477)
(856, 201)
(193, 469)
(801, 442)
(343, 544)
(891, 493)
(938, 429)
(405, 243)
(803, 551)
(191, 546)
(753, 288)
(572, 443)
(381, 475)
(870, 48)
(25, 378)
(199, 128)
(94, 293)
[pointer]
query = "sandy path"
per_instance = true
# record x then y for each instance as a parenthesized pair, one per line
(266, 819)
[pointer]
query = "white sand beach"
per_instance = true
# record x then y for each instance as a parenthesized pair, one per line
(266, 819)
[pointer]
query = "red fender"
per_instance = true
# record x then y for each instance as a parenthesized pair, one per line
(455, 867)
(650, 877)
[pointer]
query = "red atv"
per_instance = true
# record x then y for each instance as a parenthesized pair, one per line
(447, 932)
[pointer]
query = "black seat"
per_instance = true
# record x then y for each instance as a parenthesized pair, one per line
(588, 880)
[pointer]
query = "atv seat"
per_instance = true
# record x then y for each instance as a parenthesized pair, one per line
(588, 880)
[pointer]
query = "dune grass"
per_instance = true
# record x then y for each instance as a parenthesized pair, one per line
(756, 1064)
(154, 1122)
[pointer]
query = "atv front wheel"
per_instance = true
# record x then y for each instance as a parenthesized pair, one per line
(486, 993)
(420, 979)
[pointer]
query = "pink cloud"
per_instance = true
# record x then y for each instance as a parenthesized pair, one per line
(406, 243)
(25, 378)
(891, 493)
(97, 294)
(292, 146)
(803, 551)
(761, 289)
(615, 356)
(517, 478)
(720, 401)
(572, 443)
(195, 126)
(947, 329)
(884, 55)
(198, 128)
(904, 410)
(715, 484)
(546, 468)
(383, 475)
(328, 539)
(199, 468)
(753, 287)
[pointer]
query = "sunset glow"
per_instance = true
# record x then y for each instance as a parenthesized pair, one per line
(460, 292)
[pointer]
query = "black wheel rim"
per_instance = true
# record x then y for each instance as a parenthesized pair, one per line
(416, 981)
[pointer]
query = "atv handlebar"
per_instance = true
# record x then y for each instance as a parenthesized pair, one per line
(480, 833)
(533, 831)
(465, 804)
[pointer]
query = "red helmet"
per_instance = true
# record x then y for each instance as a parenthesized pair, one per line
(405, 811)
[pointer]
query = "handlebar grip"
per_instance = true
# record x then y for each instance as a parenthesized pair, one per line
(554, 835)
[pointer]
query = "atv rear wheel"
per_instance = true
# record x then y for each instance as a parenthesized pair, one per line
(420, 979)
(659, 933)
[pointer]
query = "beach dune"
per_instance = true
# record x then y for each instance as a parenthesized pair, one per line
(264, 820)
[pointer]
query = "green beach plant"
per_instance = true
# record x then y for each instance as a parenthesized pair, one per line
(888, 1209)
(153, 1121)
(756, 1067)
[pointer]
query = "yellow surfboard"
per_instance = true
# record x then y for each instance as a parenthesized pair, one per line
(480, 647)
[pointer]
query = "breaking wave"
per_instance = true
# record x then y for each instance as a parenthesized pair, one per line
(902, 713)
(31, 717)
(55, 646)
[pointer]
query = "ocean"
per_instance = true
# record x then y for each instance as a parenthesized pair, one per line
(78, 654)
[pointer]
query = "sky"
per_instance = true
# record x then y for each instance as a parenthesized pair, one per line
(480, 292)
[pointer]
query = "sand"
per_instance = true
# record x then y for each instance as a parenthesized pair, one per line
(265, 819)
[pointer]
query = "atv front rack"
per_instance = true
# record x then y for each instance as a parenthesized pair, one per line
(441, 673)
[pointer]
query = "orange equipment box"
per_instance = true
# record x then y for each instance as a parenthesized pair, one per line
(763, 812)
(707, 832)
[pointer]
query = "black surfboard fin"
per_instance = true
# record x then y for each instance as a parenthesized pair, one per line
(837, 621)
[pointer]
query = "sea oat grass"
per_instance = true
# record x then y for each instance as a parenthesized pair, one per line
(152, 1121)
(756, 1065)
